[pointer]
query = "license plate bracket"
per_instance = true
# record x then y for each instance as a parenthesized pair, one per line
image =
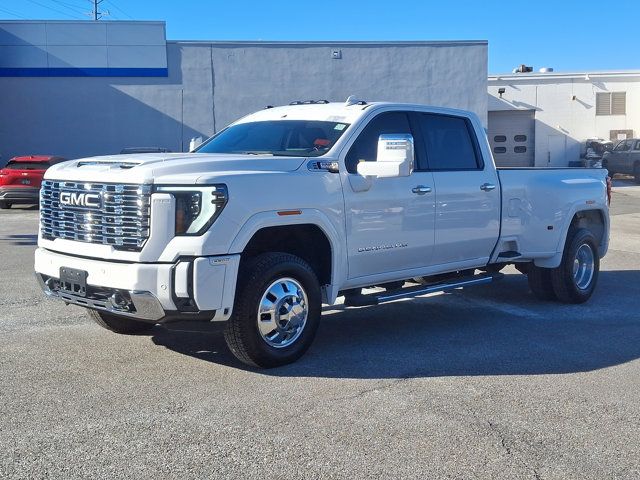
(73, 281)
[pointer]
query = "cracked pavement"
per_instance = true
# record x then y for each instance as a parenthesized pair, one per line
(481, 384)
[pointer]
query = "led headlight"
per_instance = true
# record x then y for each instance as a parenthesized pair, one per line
(197, 207)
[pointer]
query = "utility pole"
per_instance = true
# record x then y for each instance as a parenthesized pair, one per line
(95, 13)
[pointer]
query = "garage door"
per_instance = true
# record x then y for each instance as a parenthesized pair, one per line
(511, 136)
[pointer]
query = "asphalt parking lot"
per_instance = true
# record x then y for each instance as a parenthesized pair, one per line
(486, 383)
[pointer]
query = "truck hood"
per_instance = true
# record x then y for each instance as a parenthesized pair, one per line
(181, 168)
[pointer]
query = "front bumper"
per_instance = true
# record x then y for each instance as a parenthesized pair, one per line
(191, 288)
(19, 195)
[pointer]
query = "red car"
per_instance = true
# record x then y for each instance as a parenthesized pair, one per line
(20, 179)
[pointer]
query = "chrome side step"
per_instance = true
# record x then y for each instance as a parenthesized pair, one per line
(409, 292)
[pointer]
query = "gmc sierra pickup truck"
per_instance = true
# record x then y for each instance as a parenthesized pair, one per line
(295, 206)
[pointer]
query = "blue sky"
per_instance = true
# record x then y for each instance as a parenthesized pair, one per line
(564, 34)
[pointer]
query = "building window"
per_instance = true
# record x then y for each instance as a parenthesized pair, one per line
(499, 150)
(520, 138)
(499, 138)
(520, 149)
(611, 103)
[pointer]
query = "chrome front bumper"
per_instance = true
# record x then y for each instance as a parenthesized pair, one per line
(129, 303)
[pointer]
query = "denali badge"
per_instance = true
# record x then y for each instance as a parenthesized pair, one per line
(77, 199)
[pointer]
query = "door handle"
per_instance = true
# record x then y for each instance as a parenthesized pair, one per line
(421, 189)
(487, 187)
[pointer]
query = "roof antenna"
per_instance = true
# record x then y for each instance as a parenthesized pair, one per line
(353, 100)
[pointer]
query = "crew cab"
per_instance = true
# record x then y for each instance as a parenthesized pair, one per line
(297, 206)
(21, 177)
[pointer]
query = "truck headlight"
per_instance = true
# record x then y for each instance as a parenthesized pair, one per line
(197, 207)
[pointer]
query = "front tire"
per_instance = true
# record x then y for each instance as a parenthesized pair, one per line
(116, 324)
(636, 173)
(574, 280)
(5, 205)
(277, 310)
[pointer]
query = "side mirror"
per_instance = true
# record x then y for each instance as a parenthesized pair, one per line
(395, 157)
(194, 143)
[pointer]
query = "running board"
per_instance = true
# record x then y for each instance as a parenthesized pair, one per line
(410, 292)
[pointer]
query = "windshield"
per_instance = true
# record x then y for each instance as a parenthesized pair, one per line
(309, 138)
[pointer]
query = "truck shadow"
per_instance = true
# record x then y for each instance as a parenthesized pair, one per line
(493, 330)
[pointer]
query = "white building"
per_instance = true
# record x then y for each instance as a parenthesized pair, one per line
(543, 119)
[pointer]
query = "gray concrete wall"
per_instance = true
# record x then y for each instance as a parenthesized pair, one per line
(212, 83)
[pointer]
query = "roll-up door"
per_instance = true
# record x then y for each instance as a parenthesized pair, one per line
(511, 136)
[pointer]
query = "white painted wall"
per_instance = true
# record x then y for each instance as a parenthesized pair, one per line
(557, 113)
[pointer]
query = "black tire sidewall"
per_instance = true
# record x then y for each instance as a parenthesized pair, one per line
(293, 267)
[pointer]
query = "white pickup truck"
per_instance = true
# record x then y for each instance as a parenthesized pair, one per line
(292, 207)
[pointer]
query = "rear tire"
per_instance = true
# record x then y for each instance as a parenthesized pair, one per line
(5, 205)
(116, 324)
(277, 310)
(636, 173)
(576, 277)
(540, 283)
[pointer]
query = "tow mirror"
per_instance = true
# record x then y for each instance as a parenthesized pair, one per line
(395, 157)
(194, 143)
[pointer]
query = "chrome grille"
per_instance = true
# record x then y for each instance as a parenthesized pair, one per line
(120, 219)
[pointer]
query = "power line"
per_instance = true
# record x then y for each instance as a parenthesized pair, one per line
(9, 12)
(53, 9)
(120, 10)
(72, 7)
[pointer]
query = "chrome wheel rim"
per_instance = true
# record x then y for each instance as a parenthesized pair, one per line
(282, 313)
(583, 266)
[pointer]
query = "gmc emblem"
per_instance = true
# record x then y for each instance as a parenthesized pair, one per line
(77, 199)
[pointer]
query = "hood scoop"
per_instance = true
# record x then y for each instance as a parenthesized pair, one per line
(122, 165)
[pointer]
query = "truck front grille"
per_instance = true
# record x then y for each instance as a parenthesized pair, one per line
(103, 213)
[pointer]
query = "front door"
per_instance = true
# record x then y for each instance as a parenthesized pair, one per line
(389, 221)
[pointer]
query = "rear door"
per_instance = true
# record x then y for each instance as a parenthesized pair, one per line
(618, 161)
(467, 191)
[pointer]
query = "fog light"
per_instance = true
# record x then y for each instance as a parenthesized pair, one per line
(52, 284)
(119, 301)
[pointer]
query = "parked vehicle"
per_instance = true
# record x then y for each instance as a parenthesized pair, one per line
(292, 207)
(21, 177)
(595, 149)
(624, 158)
